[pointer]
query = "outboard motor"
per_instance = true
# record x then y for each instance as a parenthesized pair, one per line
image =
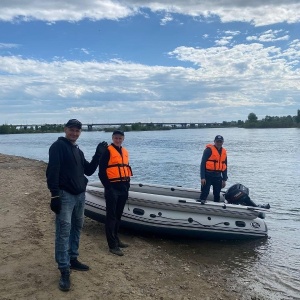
(237, 194)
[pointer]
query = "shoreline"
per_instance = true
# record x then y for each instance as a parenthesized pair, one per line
(152, 268)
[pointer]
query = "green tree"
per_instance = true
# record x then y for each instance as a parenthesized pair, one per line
(4, 129)
(298, 116)
(252, 118)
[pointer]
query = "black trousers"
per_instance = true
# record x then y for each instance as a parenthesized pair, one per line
(115, 203)
(216, 182)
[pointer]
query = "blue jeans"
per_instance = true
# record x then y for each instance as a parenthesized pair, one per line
(69, 223)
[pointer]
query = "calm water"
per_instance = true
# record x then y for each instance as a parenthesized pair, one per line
(264, 160)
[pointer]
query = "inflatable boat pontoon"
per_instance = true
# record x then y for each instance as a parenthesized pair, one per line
(176, 211)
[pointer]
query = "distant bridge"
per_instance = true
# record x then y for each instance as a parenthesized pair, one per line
(89, 126)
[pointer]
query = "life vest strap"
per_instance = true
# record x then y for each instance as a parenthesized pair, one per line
(122, 179)
(118, 165)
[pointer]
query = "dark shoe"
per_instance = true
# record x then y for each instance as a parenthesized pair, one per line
(116, 251)
(123, 245)
(64, 282)
(202, 201)
(77, 265)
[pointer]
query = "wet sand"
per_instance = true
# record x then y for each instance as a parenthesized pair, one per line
(152, 268)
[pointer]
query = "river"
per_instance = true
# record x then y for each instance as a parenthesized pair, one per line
(264, 160)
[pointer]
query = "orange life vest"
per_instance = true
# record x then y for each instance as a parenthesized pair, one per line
(216, 162)
(118, 168)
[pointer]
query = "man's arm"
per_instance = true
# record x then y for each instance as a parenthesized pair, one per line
(53, 170)
(90, 168)
(224, 173)
(205, 157)
(102, 169)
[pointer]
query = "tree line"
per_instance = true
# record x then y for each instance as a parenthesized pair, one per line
(46, 128)
(272, 122)
(251, 122)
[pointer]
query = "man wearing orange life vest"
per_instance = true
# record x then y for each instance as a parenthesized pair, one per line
(115, 173)
(213, 169)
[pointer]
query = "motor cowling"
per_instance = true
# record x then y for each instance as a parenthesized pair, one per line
(237, 194)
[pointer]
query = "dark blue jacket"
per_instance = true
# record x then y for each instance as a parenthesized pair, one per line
(67, 167)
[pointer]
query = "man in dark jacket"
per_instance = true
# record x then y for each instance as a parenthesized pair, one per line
(67, 184)
(213, 169)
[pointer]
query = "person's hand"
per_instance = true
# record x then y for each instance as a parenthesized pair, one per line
(55, 204)
(101, 148)
(223, 183)
(203, 182)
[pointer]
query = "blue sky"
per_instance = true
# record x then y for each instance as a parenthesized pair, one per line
(146, 61)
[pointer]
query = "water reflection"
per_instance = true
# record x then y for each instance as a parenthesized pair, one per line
(234, 254)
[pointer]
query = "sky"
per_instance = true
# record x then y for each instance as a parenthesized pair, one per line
(103, 61)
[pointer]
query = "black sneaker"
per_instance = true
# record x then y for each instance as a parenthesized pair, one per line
(64, 282)
(123, 245)
(75, 264)
(201, 201)
(116, 251)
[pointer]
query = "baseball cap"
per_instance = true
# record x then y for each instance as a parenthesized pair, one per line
(74, 123)
(118, 132)
(219, 138)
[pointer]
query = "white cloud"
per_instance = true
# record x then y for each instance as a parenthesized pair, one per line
(240, 60)
(234, 33)
(8, 46)
(270, 36)
(167, 18)
(292, 53)
(85, 51)
(233, 79)
(257, 12)
(57, 10)
(223, 41)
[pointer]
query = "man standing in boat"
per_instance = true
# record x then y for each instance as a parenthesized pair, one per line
(115, 173)
(67, 184)
(213, 169)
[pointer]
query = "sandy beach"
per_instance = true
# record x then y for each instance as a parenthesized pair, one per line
(150, 269)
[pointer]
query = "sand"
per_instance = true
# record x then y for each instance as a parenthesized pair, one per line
(148, 270)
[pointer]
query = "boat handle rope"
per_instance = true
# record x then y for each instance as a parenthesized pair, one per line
(190, 220)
